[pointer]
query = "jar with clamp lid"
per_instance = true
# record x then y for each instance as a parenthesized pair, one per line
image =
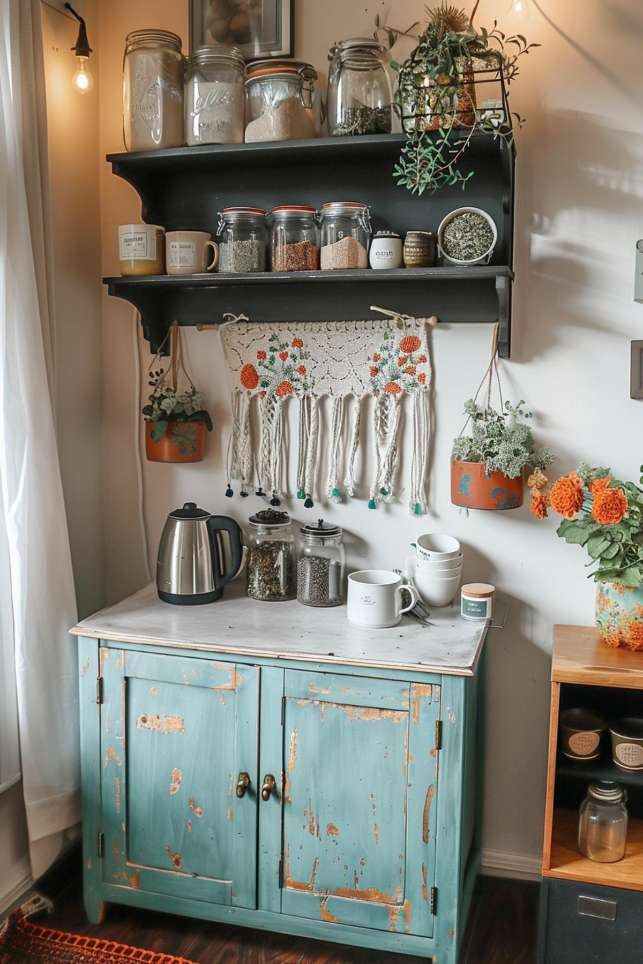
(294, 239)
(360, 94)
(271, 557)
(345, 235)
(320, 570)
(243, 236)
(602, 823)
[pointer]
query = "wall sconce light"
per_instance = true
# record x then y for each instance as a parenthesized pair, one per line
(82, 79)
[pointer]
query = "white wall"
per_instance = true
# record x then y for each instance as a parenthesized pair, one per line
(579, 211)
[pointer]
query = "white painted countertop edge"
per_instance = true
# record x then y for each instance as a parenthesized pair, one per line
(287, 630)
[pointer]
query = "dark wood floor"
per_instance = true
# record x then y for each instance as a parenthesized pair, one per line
(502, 930)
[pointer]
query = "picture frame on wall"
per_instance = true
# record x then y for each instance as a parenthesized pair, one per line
(260, 28)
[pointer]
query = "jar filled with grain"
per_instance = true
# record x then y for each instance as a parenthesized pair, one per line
(271, 564)
(345, 235)
(214, 95)
(320, 569)
(294, 238)
(281, 101)
(243, 237)
(152, 90)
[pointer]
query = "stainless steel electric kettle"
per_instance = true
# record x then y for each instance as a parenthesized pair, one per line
(191, 564)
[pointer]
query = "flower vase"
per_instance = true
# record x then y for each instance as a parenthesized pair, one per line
(619, 615)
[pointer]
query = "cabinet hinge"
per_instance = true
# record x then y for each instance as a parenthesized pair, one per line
(434, 901)
(280, 873)
(438, 734)
(99, 689)
(100, 844)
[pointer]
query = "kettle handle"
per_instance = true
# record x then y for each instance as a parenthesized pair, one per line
(215, 524)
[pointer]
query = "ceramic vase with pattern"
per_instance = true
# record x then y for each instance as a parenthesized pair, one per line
(619, 615)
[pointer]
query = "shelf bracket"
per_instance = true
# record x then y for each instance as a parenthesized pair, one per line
(503, 291)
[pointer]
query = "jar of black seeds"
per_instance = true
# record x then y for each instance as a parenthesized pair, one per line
(271, 565)
(320, 569)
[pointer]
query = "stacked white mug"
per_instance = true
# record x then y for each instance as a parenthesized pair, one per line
(435, 568)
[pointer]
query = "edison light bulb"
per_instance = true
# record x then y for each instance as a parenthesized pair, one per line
(520, 7)
(82, 79)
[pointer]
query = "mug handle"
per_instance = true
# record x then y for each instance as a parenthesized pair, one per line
(215, 255)
(412, 591)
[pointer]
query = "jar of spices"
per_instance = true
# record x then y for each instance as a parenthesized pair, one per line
(281, 101)
(152, 90)
(294, 242)
(214, 95)
(320, 570)
(360, 93)
(345, 235)
(271, 565)
(243, 237)
(602, 823)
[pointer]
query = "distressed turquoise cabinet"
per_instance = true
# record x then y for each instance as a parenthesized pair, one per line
(310, 780)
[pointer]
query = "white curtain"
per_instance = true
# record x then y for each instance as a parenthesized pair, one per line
(37, 598)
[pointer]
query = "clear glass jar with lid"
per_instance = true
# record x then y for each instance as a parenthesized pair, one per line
(281, 101)
(320, 569)
(602, 824)
(214, 96)
(294, 238)
(345, 235)
(152, 90)
(243, 236)
(271, 563)
(360, 92)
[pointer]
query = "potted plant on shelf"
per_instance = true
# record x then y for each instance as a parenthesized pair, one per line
(605, 516)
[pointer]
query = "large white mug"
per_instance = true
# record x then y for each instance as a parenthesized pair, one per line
(375, 598)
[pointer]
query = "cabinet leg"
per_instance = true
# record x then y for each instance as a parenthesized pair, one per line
(95, 907)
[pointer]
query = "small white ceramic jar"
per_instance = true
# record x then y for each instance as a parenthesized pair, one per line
(386, 250)
(477, 600)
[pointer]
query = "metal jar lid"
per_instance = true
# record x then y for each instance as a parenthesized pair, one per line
(152, 38)
(269, 517)
(321, 528)
(212, 54)
(606, 790)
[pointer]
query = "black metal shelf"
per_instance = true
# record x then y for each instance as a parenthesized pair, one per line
(601, 769)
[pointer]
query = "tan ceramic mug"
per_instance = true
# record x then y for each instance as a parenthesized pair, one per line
(186, 252)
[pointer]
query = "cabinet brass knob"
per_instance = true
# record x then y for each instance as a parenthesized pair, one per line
(243, 783)
(269, 784)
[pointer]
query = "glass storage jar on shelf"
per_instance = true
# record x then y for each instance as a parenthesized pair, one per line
(294, 238)
(320, 569)
(271, 563)
(214, 96)
(360, 92)
(152, 90)
(281, 101)
(345, 235)
(243, 236)
(602, 823)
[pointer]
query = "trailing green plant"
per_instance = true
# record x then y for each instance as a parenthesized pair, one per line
(436, 90)
(166, 405)
(502, 440)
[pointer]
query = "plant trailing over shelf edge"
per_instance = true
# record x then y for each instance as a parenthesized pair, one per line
(436, 90)
(167, 405)
(501, 440)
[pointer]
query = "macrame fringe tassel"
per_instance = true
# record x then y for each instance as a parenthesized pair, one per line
(353, 446)
(304, 434)
(386, 423)
(419, 465)
(240, 462)
(334, 448)
(276, 455)
(310, 467)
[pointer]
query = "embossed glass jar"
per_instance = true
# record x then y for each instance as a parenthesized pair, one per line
(345, 235)
(602, 822)
(152, 90)
(214, 95)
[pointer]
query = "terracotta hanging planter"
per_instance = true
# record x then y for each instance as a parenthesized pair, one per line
(473, 488)
(181, 442)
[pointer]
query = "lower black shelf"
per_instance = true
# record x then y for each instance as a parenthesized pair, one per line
(588, 771)
(476, 294)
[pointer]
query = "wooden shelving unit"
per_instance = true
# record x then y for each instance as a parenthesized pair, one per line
(186, 188)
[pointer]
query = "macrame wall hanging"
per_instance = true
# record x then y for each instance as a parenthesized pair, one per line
(345, 361)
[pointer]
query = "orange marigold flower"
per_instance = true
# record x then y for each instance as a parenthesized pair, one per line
(634, 635)
(421, 378)
(599, 485)
(539, 505)
(376, 357)
(410, 370)
(410, 343)
(610, 505)
(302, 369)
(392, 388)
(537, 480)
(566, 496)
(248, 376)
(261, 355)
(297, 343)
(374, 371)
(402, 360)
(283, 389)
(283, 355)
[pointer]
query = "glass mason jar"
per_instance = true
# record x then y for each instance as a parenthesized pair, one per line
(271, 564)
(602, 824)
(281, 101)
(243, 236)
(214, 96)
(360, 93)
(295, 238)
(152, 90)
(345, 235)
(320, 570)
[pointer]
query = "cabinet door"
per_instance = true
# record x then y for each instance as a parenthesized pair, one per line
(359, 806)
(175, 734)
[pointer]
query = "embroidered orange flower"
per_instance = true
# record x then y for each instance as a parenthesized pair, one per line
(402, 360)
(302, 369)
(374, 371)
(610, 505)
(538, 505)
(421, 378)
(392, 388)
(248, 376)
(297, 343)
(283, 389)
(283, 355)
(410, 343)
(634, 635)
(262, 394)
(599, 485)
(376, 357)
(422, 360)
(566, 496)
(410, 370)
(261, 355)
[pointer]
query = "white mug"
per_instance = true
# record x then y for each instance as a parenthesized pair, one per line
(375, 598)
(186, 252)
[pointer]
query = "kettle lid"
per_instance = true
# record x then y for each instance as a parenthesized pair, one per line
(190, 510)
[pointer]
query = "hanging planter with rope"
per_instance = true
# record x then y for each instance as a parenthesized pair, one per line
(175, 420)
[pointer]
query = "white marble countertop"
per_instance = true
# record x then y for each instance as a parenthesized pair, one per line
(288, 630)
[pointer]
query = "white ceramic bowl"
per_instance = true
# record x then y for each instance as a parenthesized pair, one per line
(436, 591)
(484, 258)
(440, 565)
(436, 546)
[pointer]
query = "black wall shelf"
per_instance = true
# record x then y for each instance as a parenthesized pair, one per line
(185, 188)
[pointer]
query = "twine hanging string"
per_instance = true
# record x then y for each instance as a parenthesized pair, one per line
(177, 365)
(491, 369)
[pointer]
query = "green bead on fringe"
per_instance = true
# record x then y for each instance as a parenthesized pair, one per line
(371, 504)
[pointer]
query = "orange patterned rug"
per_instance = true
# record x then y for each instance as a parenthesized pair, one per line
(23, 942)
